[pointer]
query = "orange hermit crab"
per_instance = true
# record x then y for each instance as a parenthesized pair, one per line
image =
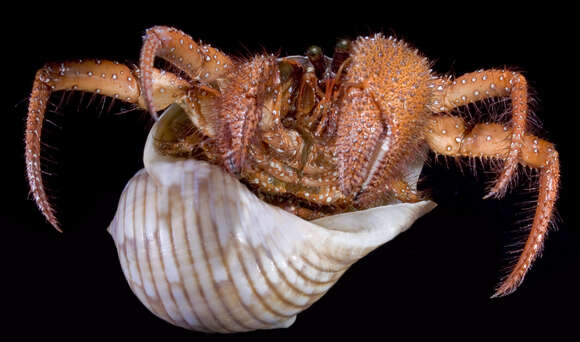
(314, 135)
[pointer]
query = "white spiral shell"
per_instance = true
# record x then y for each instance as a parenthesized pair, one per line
(204, 253)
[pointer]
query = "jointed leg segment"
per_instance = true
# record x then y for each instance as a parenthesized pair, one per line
(199, 62)
(96, 76)
(483, 84)
(447, 136)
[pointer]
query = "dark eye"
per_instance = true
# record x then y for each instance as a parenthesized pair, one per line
(314, 53)
(342, 45)
(341, 53)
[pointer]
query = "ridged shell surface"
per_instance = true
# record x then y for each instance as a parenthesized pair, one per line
(204, 253)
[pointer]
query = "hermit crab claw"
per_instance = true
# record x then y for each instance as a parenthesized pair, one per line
(203, 252)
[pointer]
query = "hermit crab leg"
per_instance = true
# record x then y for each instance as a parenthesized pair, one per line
(199, 62)
(447, 136)
(483, 84)
(101, 77)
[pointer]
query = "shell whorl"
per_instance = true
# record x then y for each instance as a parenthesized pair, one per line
(204, 253)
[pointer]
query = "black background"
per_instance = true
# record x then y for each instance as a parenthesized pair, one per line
(433, 281)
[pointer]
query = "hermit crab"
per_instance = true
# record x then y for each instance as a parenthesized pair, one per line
(267, 177)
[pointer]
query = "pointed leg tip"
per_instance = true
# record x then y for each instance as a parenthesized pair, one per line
(496, 192)
(502, 292)
(499, 292)
(52, 220)
(508, 286)
(50, 217)
(489, 195)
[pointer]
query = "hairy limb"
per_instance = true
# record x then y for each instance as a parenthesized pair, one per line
(240, 108)
(96, 76)
(483, 84)
(384, 105)
(447, 136)
(199, 62)
(358, 137)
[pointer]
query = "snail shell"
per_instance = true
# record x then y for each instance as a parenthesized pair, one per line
(203, 252)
